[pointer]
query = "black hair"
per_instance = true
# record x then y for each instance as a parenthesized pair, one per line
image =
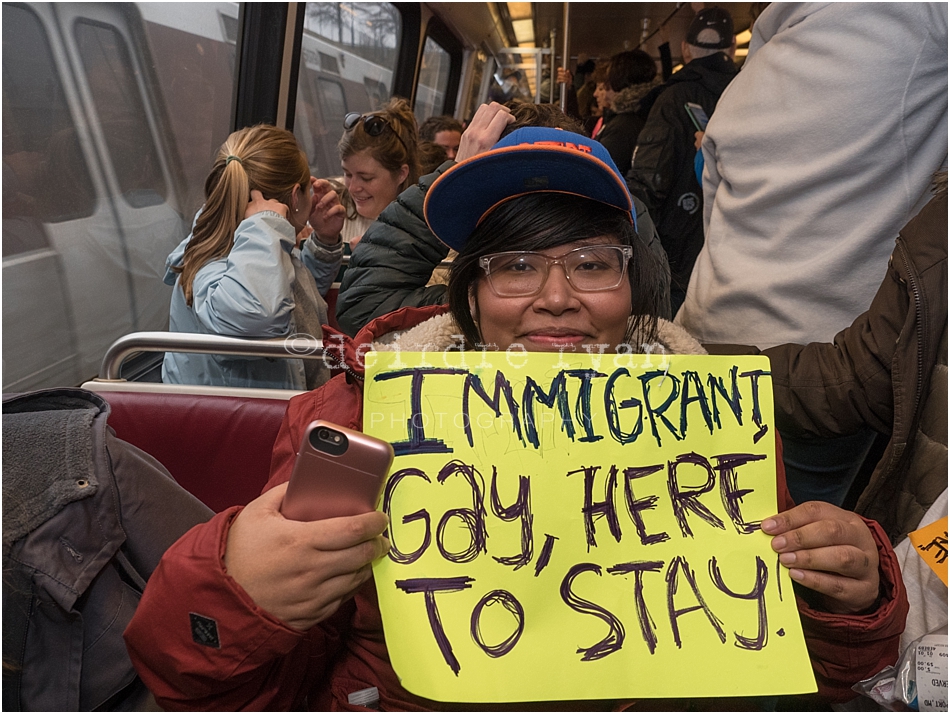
(629, 68)
(433, 125)
(542, 220)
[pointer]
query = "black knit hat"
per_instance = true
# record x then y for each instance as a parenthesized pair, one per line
(711, 18)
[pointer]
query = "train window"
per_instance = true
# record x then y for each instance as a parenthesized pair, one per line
(193, 54)
(45, 178)
(347, 61)
(332, 100)
(433, 80)
(112, 82)
(328, 63)
(480, 79)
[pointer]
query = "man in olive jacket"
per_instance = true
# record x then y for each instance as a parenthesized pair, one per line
(887, 371)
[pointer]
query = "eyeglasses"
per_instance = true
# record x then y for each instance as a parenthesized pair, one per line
(590, 268)
(373, 124)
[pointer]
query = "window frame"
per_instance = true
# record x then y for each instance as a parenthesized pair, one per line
(443, 36)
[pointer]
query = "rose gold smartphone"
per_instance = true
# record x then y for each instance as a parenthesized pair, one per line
(338, 472)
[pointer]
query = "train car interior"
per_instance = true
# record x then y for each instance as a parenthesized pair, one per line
(117, 118)
(112, 113)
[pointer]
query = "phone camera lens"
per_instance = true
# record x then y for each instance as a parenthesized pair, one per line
(323, 433)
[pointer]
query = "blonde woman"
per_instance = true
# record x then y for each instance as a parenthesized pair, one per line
(244, 272)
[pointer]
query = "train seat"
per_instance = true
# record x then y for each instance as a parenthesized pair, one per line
(216, 447)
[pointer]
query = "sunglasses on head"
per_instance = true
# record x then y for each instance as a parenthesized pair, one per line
(373, 125)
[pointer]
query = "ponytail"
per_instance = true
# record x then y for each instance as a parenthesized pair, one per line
(262, 158)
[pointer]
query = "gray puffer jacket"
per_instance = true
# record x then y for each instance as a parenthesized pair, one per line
(86, 518)
(392, 264)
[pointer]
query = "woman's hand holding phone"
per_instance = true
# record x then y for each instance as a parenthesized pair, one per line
(300, 572)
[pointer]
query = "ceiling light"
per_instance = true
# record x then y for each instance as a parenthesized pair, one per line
(741, 39)
(519, 10)
(524, 30)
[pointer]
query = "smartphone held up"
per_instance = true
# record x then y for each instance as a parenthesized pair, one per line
(338, 472)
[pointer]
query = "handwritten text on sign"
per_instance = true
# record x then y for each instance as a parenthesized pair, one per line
(581, 527)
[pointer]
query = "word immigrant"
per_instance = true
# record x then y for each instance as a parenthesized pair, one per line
(574, 528)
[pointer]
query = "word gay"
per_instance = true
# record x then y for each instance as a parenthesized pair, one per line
(683, 501)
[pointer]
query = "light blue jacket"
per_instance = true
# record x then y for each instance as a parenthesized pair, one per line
(247, 293)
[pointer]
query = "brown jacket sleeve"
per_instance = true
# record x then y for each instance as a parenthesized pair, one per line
(829, 390)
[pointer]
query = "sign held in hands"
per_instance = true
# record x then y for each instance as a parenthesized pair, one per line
(581, 527)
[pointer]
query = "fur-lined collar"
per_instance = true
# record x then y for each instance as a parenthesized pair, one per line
(627, 101)
(441, 332)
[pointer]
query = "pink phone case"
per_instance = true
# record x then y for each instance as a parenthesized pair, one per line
(338, 472)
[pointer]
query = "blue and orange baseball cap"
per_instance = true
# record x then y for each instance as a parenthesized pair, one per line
(528, 160)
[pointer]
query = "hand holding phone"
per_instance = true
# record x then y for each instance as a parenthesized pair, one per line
(697, 115)
(338, 472)
(301, 572)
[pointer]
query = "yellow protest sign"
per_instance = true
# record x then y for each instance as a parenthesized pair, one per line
(930, 542)
(581, 527)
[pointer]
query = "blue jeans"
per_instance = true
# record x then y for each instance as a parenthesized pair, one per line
(823, 469)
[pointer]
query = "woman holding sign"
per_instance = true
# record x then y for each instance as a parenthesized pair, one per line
(253, 611)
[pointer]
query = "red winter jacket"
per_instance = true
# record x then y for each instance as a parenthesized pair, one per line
(261, 664)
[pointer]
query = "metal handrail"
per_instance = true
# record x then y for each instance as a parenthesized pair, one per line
(443, 264)
(293, 347)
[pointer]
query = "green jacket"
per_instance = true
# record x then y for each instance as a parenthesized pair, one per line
(391, 266)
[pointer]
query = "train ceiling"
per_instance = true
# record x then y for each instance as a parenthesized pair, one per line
(598, 29)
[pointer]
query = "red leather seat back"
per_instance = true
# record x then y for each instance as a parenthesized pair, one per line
(218, 448)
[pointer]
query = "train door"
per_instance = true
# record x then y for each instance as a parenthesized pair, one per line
(47, 187)
(142, 210)
(85, 156)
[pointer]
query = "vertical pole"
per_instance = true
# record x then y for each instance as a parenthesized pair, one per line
(552, 45)
(565, 54)
(537, 76)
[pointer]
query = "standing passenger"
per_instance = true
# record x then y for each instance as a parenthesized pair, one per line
(631, 76)
(662, 173)
(820, 151)
(444, 131)
(240, 272)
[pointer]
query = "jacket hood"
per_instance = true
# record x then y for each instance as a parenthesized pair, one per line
(627, 100)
